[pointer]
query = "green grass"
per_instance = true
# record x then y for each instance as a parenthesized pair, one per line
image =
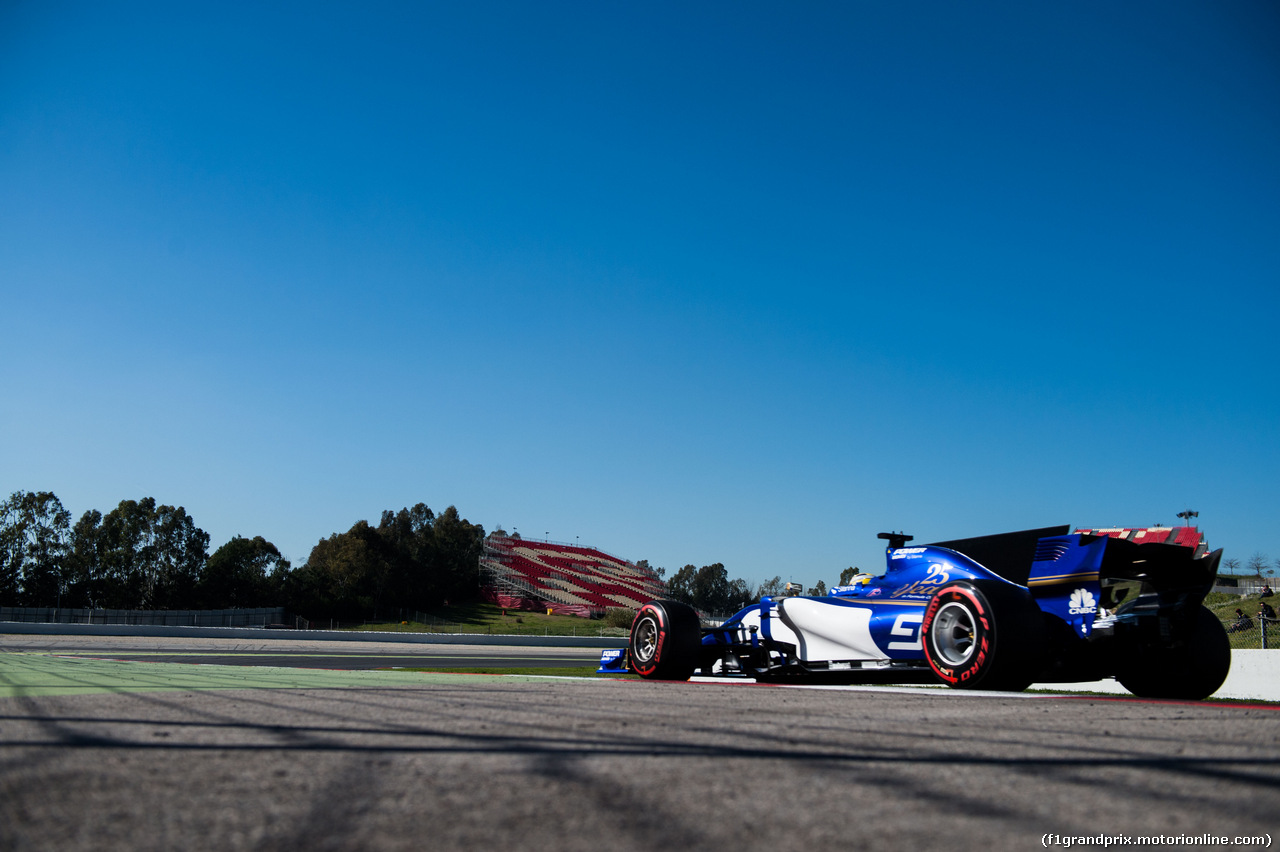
(490, 619)
(1224, 606)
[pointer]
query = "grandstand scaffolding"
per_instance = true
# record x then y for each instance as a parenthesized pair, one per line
(566, 578)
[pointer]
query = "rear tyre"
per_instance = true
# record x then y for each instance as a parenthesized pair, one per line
(1192, 671)
(983, 634)
(666, 641)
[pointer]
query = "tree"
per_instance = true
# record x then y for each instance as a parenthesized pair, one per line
(847, 575)
(412, 559)
(1257, 564)
(770, 588)
(243, 573)
(711, 588)
(649, 571)
(181, 554)
(12, 553)
(347, 573)
(138, 556)
(125, 546)
(708, 589)
(34, 539)
(127, 532)
(681, 585)
(408, 537)
(739, 594)
(87, 580)
(458, 545)
(818, 590)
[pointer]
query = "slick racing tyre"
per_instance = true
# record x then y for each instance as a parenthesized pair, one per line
(983, 634)
(666, 641)
(1191, 671)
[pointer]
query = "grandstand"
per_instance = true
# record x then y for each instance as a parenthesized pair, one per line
(567, 578)
(1181, 536)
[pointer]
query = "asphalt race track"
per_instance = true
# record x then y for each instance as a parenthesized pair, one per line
(98, 754)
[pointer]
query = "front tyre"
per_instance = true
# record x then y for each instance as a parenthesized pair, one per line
(982, 634)
(666, 641)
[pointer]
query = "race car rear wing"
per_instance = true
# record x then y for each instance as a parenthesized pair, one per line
(1022, 557)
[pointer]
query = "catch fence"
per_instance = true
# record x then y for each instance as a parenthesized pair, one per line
(259, 617)
(1253, 633)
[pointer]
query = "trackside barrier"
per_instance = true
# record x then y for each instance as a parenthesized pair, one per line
(257, 617)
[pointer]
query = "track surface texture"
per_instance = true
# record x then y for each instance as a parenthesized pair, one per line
(486, 763)
(300, 654)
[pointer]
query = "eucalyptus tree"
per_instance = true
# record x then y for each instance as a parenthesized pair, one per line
(681, 585)
(138, 556)
(35, 534)
(458, 544)
(708, 588)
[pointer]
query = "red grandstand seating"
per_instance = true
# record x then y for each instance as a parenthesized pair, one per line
(1112, 532)
(568, 574)
(1181, 536)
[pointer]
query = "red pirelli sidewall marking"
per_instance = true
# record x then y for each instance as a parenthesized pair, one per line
(986, 644)
(651, 665)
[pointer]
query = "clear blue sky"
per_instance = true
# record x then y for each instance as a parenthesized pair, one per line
(731, 282)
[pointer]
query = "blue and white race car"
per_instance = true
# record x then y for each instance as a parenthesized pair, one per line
(995, 612)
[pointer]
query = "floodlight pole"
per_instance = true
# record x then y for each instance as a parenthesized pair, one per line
(1187, 516)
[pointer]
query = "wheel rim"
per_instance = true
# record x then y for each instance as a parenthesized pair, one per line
(645, 643)
(952, 633)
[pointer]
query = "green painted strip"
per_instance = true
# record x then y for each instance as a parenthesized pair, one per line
(113, 655)
(31, 674)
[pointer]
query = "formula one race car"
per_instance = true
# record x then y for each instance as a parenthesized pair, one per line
(996, 612)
